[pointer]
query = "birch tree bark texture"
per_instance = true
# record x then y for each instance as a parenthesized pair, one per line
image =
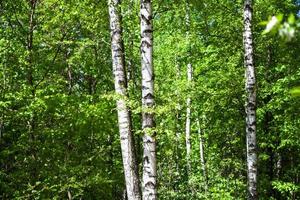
(188, 100)
(124, 118)
(202, 158)
(188, 120)
(250, 106)
(149, 155)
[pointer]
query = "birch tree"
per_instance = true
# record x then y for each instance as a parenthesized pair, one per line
(188, 100)
(55, 121)
(202, 159)
(149, 156)
(188, 120)
(250, 105)
(30, 78)
(124, 118)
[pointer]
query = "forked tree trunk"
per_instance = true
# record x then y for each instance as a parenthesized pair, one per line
(149, 156)
(124, 118)
(250, 106)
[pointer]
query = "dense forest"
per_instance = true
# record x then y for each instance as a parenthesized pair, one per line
(141, 99)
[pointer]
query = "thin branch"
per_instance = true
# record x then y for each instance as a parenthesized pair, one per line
(52, 62)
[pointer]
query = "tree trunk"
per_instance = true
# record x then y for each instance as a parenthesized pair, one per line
(188, 121)
(188, 100)
(278, 165)
(32, 121)
(1, 126)
(202, 159)
(130, 57)
(177, 121)
(250, 106)
(69, 72)
(124, 118)
(149, 156)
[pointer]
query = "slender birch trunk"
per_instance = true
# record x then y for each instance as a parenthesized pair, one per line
(250, 106)
(177, 120)
(124, 118)
(130, 63)
(29, 47)
(188, 100)
(202, 158)
(30, 79)
(149, 157)
(188, 120)
(1, 126)
(278, 165)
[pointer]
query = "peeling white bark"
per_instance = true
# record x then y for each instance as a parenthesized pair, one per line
(149, 157)
(250, 106)
(124, 118)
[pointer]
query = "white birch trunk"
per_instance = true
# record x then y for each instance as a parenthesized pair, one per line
(278, 164)
(177, 122)
(250, 106)
(188, 120)
(202, 158)
(130, 63)
(124, 118)
(188, 100)
(149, 156)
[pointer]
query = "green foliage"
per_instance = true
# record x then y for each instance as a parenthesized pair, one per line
(286, 29)
(59, 133)
(295, 91)
(286, 189)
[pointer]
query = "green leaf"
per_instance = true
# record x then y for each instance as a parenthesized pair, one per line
(291, 19)
(295, 91)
